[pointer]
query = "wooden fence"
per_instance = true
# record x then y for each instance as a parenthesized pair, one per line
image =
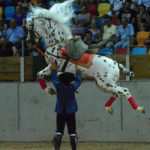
(10, 67)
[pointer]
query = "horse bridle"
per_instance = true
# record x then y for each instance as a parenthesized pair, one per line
(32, 32)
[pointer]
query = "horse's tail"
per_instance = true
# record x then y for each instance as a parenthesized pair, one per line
(125, 70)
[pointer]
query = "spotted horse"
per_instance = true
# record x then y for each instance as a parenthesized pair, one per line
(53, 26)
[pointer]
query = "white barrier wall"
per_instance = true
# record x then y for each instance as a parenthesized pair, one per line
(27, 114)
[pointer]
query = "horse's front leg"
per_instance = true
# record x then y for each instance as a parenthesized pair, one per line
(40, 76)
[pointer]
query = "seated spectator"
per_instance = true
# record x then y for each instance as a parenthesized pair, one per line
(92, 45)
(116, 6)
(14, 35)
(146, 3)
(43, 3)
(24, 6)
(16, 2)
(92, 7)
(107, 33)
(143, 19)
(124, 32)
(128, 13)
(2, 29)
(2, 4)
(9, 2)
(95, 31)
(88, 38)
(6, 48)
(82, 22)
(19, 16)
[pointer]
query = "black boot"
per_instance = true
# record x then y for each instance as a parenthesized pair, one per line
(57, 141)
(73, 142)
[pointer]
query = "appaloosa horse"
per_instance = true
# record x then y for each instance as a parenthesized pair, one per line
(52, 25)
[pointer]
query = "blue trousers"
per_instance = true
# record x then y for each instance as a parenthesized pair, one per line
(120, 44)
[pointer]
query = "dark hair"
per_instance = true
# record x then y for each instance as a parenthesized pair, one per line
(143, 7)
(89, 32)
(66, 78)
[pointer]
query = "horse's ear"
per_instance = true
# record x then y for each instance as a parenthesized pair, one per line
(30, 7)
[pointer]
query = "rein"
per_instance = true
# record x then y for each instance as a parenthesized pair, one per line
(55, 44)
(66, 58)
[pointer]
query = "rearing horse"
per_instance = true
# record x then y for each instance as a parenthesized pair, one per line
(52, 26)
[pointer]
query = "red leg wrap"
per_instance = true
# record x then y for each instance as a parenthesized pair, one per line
(109, 103)
(42, 83)
(132, 102)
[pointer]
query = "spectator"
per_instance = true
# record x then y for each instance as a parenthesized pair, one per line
(92, 45)
(116, 6)
(82, 22)
(24, 5)
(17, 2)
(43, 3)
(15, 34)
(18, 16)
(128, 13)
(124, 31)
(143, 19)
(6, 48)
(2, 29)
(2, 4)
(88, 38)
(95, 31)
(92, 7)
(146, 3)
(107, 33)
(9, 2)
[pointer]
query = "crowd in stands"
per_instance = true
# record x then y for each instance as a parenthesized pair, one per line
(114, 25)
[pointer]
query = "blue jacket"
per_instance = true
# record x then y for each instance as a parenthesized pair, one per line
(66, 100)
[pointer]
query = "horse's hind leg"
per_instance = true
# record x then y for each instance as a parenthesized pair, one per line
(124, 92)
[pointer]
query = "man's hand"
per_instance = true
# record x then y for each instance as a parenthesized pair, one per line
(53, 67)
(77, 69)
(51, 91)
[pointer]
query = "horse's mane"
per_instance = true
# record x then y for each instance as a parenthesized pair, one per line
(59, 12)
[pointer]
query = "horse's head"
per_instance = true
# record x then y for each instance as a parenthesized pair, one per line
(33, 34)
(50, 24)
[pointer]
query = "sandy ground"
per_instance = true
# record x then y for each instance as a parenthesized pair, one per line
(81, 146)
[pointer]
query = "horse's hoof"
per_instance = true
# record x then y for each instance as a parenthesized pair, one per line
(109, 110)
(141, 109)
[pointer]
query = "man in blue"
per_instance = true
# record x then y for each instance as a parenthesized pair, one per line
(124, 32)
(66, 105)
(15, 34)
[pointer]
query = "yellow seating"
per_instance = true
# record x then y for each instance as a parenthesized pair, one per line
(103, 8)
(1, 13)
(141, 37)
